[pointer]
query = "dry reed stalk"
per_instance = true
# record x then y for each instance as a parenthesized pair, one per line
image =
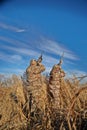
(75, 98)
(10, 108)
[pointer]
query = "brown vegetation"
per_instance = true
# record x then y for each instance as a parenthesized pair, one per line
(30, 104)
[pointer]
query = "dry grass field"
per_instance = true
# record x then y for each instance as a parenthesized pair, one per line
(19, 112)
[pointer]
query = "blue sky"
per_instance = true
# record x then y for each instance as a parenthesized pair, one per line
(29, 28)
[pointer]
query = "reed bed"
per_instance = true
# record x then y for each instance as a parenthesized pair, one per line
(18, 112)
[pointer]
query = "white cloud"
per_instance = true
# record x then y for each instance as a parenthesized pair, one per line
(69, 62)
(15, 42)
(78, 72)
(11, 27)
(56, 48)
(19, 47)
(21, 50)
(11, 58)
(20, 30)
(47, 70)
(49, 62)
(9, 71)
(16, 57)
(51, 48)
(50, 59)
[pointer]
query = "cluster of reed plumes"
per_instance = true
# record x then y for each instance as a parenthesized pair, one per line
(16, 114)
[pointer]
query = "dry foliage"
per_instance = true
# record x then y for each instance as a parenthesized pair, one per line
(18, 112)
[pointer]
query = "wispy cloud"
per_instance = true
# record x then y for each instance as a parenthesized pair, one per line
(77, 72)
(11, 58)
(69, 62)
(16, 57)
(14, 42)
(22, 51)
(56, 48)
(9, 71)
(11, 27)
(18, 46)
(49, 62)
(50, 59)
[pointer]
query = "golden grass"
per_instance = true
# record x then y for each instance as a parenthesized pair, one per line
(16, 104)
